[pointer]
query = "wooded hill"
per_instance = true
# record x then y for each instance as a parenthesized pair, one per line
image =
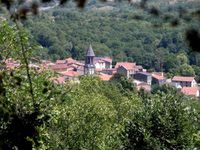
(122, 31)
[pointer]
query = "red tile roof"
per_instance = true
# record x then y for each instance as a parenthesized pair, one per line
(191, 91)
(76, 63)
(107, 59)
(100, 61)
(158, 77)
(126, 65)
(182, 78)
(70, 73)
(59, 66)
(105, 77)
(70, 60)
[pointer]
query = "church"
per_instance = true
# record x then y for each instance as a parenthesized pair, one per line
(89, 67)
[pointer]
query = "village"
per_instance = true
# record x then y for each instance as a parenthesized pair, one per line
(70, 70)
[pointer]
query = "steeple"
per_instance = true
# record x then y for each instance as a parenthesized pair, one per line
(89, 67)
(90, 51)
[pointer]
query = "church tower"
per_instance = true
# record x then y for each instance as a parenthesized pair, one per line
(89, 68)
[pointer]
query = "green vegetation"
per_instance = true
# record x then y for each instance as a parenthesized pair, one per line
(125, 33)
(93, 114)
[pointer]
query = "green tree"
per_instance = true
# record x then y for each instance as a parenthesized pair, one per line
(74, 52)
(182, 59)
(124, 84)
(91, 116)
(163, 122)
(186, 70)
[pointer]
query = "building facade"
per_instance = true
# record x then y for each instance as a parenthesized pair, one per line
(181, 81)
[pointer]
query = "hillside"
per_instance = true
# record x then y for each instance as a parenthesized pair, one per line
(125, 33)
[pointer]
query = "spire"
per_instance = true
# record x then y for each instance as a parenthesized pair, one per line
(90, 51)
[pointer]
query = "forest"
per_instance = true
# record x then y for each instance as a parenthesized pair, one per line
(124, 33)
(36, 113)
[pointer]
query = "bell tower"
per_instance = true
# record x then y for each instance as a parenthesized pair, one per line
(89, 68)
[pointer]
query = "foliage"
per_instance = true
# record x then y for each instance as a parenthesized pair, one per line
(163, 122)
(125, 85)
(164, 89)
(37, 114)
(92, 116)
(23, 112)
(116, 34)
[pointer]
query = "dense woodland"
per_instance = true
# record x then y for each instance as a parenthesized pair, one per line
(38, 114)
(124, 33)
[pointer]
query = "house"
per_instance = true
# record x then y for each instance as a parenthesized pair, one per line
(143, 77)
(45, 64)
(102, 63)
(66, 65)
(70, 75)
(61, 67)
(158, 78)
(127, 64)
(125, 68)
(182, 81)
(191, 91)
(109, 71)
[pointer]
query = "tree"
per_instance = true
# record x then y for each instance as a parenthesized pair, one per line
(123, 83)
(23, 93)
(186, 70)
(163, 122)
(182, 59)
(91, 116)
(74, 52)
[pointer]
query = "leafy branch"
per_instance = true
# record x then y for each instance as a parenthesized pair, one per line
(23, 50)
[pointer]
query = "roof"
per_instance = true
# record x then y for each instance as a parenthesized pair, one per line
(105, 77)
(70, 60)
(70, 73)
(144, 73)
(110, 69)
(191, 91)
(60, 66)
(99, 61)
(126, 65)
(182, 78)
(90, 51)
(158, 77)
(60, 61)
(103, 59)
(139, 67)
(107, 59)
